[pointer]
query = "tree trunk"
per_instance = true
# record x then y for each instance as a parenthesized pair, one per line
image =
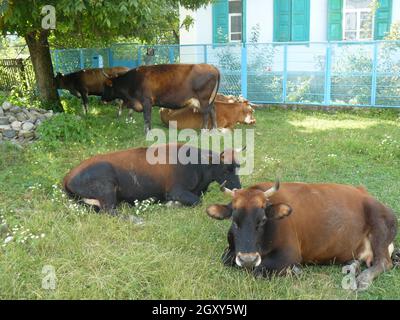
(41, 59)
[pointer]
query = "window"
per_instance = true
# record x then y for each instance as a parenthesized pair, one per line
(291, 20)
(235, 20)
(357, 20)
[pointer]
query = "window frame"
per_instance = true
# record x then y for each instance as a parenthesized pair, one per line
(230, 15)
(358, 13)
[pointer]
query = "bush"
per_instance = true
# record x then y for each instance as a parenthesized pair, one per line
(64, 128)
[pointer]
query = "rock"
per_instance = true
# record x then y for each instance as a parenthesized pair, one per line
(9, 133)
(5, 127)
(11, 119)
(26, 134)
(38, 122)
(1, 112)
(48, 115)
(28, 126)
(15, 109)
(21, 116)
(3, 121)
(16, 125)
(6, 106)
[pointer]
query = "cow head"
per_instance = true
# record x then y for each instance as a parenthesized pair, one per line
(109, 92)
(227, 169)
(251, 211)
(246, 114)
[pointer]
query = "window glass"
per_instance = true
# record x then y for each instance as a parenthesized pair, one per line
(358, 4)
(235, 6)
(236, 23)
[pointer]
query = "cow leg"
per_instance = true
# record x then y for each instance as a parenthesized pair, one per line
(213, 117)
(205, 115)
(183, 196)
(276, 263)
(85, 102)
(383, 233)
(382, 262)
(147, 115)
(120, 107)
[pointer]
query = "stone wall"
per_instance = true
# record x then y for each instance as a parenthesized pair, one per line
(19, 124)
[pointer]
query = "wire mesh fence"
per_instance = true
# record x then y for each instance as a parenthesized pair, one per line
(331, 73)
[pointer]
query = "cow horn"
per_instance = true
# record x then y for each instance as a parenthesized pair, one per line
(272, 190)
(227, 191)
(105, 74)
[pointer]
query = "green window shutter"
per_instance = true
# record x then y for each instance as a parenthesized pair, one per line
(335, 14)
(300, 20)
(282, 20)
(383, 18)
(244, 30)
(220, 13)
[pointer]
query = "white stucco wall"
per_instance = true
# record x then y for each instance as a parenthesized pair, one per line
(318, 20)
(396, 11)
(261, 12)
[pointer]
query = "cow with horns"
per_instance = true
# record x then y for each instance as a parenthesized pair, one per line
(275, 227)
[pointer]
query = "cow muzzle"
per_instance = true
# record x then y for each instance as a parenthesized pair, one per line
(248, 260)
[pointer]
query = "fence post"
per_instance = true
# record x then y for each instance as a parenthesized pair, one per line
(374, 75)
(285, 75)
(56, 60)
(328, 75)
(244, 71)
(139, 55)
(171, 54)
(110, 58)
(81, 58)
(205, 53)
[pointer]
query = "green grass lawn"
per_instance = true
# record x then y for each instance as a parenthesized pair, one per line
(176, 254)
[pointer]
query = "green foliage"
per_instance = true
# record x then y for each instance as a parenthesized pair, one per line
(64, 128)
(93, 22)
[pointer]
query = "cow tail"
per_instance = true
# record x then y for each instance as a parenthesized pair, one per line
(215, 91)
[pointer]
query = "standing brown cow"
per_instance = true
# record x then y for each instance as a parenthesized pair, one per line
(87, 82)
(172, 86)
(276, 227)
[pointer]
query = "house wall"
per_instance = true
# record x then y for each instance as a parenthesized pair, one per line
(261, 12)
(318, 20)
(396, 11)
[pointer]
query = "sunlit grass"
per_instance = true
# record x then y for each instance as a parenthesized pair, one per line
(176, 254)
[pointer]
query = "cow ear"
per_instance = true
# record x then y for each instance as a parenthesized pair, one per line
(278, 211)
(108, 83)
(219, 212)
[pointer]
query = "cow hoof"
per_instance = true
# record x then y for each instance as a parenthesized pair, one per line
(364, 280)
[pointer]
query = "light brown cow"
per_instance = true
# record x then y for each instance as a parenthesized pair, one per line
(228, 115)
(307, 223)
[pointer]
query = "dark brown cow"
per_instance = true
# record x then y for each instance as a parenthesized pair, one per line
(172, 86)
(307, 223)
(88, 82)
(228, 115)
(129, 175)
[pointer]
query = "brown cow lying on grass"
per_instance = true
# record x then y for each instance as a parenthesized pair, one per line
(229, 113)
(274, 228)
